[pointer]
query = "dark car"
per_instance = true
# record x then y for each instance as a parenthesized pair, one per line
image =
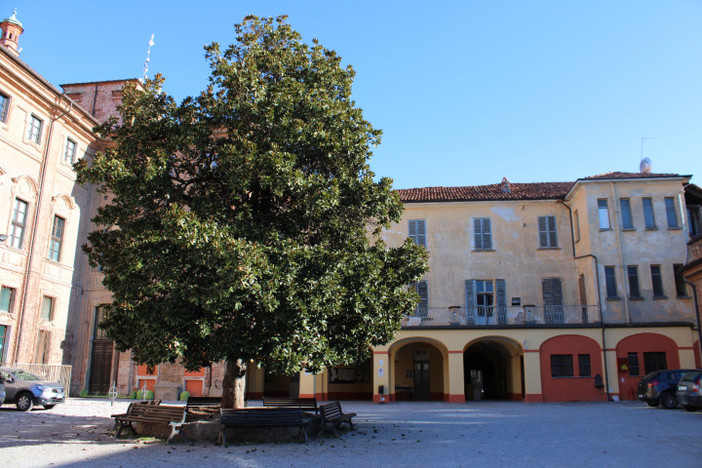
(2, 391)
(690, 390)
(25, 389)
(659, 387)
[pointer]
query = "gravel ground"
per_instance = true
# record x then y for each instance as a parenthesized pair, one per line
(495, 434)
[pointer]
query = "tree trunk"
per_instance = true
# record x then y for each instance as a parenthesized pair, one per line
(234, 384)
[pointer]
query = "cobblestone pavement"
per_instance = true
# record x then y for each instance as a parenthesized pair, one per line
(490, 433)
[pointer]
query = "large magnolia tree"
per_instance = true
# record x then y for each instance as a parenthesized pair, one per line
(244, 223)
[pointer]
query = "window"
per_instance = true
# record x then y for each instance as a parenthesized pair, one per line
(657, 281)
(633, 360)
(56, 238)
(47, 309)
(552, 291)
(670, 213)
(603, 212)
(34, 129)
(627, 219)
(561, 365)
(576, 221)
(69, 156)
(548, 237)
(19, 223)
(633, 274)
(680, 286)
(417, 231)
(611, 282)
(694, 216)
(482, 234)
(584, 365)
(4, 107)
(654, 361)
(484, 297)
(649, 219)
(423, 292)
(7, 300)
(99, 333)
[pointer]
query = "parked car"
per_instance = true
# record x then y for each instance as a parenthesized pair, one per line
(2, 391)
(25, 389)
(690, 390)
(659, 387)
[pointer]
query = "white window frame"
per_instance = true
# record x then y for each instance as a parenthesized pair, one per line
(603, 214)
(34, 129)
(70, 157)
(58, 227)
(18, 227)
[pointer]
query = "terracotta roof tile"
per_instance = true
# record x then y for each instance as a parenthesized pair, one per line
(532, 191)
(529, 191)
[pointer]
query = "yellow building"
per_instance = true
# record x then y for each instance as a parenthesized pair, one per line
(543, 291)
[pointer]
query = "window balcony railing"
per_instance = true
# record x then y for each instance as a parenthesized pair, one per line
(502, 316)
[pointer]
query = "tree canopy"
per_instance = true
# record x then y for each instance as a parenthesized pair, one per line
(244, 223)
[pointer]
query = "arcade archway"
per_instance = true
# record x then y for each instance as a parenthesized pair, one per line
(493, 370)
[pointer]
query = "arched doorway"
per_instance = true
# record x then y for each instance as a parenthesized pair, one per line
(639, 354)
(492, 370)
(418, 372)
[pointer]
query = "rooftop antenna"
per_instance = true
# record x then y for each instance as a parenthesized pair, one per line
(645, 163)
(148, 54)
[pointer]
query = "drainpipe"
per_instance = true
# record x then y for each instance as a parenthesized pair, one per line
(35, 219)
(697, 314)
(599, 298)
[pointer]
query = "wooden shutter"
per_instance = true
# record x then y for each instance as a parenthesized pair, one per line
(482, 233)
(543, 234)
(501, 293)
(470, 301)
(552, 237)
(478, 233)
(417, 231)
(423, 292)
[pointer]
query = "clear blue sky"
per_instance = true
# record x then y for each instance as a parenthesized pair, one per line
(466, 92)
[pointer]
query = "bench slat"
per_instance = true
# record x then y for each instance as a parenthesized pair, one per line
(262, 417)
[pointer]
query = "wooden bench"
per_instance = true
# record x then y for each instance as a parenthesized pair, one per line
(203, 404)
(333, 417)
(262, 417)
(305, 404)
(173, 416)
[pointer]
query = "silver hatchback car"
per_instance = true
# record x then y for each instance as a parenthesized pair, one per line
(25, 389)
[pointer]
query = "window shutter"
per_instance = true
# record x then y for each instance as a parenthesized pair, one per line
(553, 240)
(501, 291)
(478, 233)
(487, 235)
(421, 233)
(470, 301)
(413, 228)
(547, 288)
(543, 232)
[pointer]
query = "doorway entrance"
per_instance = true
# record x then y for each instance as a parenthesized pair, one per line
(491, 371)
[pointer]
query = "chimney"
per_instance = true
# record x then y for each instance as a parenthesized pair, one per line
(504, 186)
(11, 30)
